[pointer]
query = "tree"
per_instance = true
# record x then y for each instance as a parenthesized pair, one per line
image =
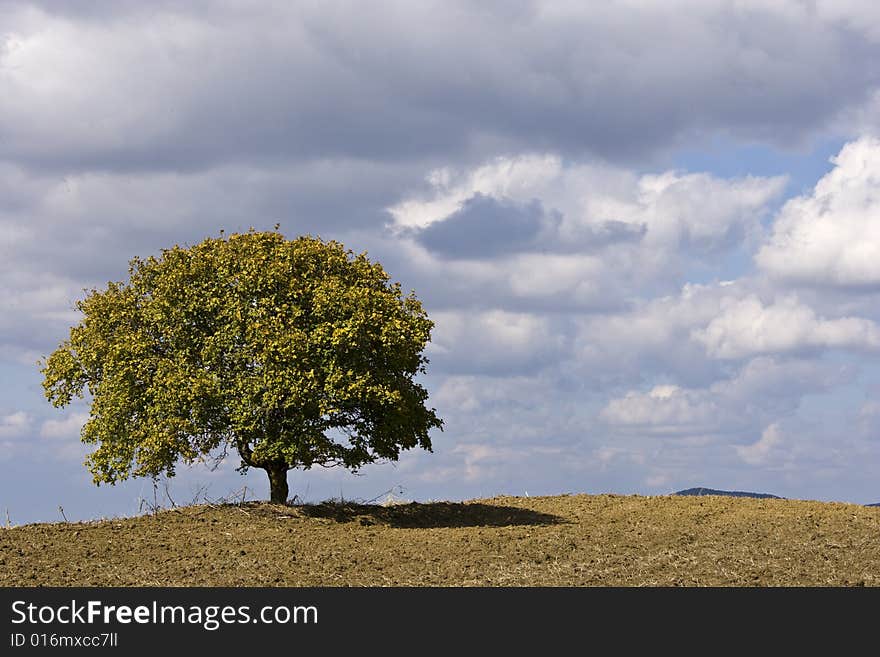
(294, 353)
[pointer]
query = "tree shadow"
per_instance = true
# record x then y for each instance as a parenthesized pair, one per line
(429, 515)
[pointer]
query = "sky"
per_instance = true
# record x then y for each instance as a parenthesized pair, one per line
(648, 233)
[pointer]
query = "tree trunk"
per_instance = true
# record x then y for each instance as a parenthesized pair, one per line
(278, 490)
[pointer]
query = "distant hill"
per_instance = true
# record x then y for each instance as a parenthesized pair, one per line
(876, 504)
(729, 493)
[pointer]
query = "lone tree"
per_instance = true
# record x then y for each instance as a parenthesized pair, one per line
(294, 353)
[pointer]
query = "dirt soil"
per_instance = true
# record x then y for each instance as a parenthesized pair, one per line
(576, 540)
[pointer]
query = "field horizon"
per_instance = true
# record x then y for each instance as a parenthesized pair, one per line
(562, 540)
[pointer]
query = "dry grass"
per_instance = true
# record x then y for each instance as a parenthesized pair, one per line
(578, 540)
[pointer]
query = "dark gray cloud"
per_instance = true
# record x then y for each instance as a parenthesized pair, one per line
(485, 227)
(183, 87)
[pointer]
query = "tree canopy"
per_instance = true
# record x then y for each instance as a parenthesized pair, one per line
(294, 353)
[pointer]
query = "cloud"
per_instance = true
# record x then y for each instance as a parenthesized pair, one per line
(14, 428)
(746, 327)
(68, 428)
(763, 390)
(664, 409)
(700, 212)
(494, 342)
(482, 461)
(689, 338)
(384, 83)
(655, 337)
(869, 419)
(521, 178)
(832, 236)
(516, 282)
(533, 232)
(860, 16)
(589, 205)
(772, 387)
(484, 226)
(759, 452)
(14, 425)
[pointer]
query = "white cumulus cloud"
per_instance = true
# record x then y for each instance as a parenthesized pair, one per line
(663, 409)
(746, 327)
(832, 236)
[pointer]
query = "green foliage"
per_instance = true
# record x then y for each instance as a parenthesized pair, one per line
(294, 353)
